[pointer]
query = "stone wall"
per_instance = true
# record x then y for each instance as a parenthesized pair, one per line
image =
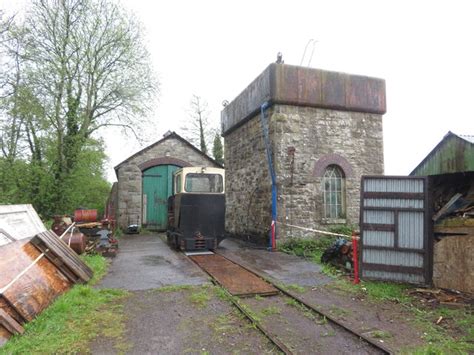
(305, 140)
(315, 138)
(248, 184)
(170, 150)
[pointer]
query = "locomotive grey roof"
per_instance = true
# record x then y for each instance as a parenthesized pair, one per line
(301, 86)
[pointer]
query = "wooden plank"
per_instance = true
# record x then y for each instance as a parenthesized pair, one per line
(448, 207)
(6, 306)
(461, 230)
(10, 324)
(63, 252)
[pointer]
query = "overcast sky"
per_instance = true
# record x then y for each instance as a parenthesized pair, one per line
(423, 49)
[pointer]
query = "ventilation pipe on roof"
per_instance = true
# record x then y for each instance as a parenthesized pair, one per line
(265, 127)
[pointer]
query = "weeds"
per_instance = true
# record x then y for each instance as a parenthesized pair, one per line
(200, 298)
(380, 334)
(307, 248)
(338, 311)
(270, 311)
(295, 287)
(172, 288)
(301, 307)
(439, 339)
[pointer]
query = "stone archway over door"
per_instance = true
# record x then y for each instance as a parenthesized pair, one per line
(157, 187)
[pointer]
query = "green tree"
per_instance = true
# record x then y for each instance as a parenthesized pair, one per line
(79, 66)
(218, 149)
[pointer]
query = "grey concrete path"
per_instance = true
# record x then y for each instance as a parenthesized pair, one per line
(146, 262)
(282, 267)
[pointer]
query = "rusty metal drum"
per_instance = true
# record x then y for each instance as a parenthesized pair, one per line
(77, 241)
(85, 216)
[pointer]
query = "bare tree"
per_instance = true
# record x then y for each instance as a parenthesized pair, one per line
(197, 129)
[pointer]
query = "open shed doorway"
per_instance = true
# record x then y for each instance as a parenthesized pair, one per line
(157, 187)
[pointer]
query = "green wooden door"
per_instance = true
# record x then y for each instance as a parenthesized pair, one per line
(157, 187)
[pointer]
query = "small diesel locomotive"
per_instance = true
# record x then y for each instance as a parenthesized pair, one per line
(196, 210)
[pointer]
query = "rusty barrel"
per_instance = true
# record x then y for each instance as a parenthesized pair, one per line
(77, 241)
(85, 216)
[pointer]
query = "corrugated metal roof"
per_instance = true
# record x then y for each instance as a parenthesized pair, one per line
(444, 158)
(467, 137)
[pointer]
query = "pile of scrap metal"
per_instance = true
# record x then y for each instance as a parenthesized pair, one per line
(87, 235)
(36, 266)
(339, 254)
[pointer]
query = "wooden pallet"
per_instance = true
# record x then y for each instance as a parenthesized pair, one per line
(61, 255)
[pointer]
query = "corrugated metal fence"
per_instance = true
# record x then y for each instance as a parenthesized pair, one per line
(395, 229)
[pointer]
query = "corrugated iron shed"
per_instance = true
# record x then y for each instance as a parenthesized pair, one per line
(454, 154)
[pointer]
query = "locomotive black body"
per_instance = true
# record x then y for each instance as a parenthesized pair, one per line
(196, 210)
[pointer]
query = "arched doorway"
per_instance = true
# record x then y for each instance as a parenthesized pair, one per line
(157, 187)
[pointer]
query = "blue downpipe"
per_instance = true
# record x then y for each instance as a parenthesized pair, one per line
(265, 128)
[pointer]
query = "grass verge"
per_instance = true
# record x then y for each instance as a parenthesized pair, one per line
(74, 319)
(454, 335)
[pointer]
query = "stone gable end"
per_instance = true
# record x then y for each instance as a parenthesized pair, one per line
(171, 150)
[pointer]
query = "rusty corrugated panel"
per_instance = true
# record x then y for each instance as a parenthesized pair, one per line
(234, 278)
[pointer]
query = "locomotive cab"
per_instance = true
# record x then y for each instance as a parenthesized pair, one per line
(196, 210)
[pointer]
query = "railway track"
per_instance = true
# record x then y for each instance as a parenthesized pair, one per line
(290, 323)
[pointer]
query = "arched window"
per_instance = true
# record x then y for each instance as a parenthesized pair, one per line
(334, 192)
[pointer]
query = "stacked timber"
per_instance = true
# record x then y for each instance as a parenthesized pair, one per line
(33, 273)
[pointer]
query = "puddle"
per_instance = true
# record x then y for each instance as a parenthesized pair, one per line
(153, 260)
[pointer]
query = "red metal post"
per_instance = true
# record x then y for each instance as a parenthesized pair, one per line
(273, 236)
(355, 257)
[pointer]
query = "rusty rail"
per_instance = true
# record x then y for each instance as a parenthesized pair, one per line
(307, 305)
(273, 339)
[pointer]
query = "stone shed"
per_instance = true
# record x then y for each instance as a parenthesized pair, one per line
(145, 180)
(324, 132)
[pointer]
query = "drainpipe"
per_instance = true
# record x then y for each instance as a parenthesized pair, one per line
(265, 124)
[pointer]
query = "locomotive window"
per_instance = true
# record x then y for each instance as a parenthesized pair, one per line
(204, 183)
(178, 183)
